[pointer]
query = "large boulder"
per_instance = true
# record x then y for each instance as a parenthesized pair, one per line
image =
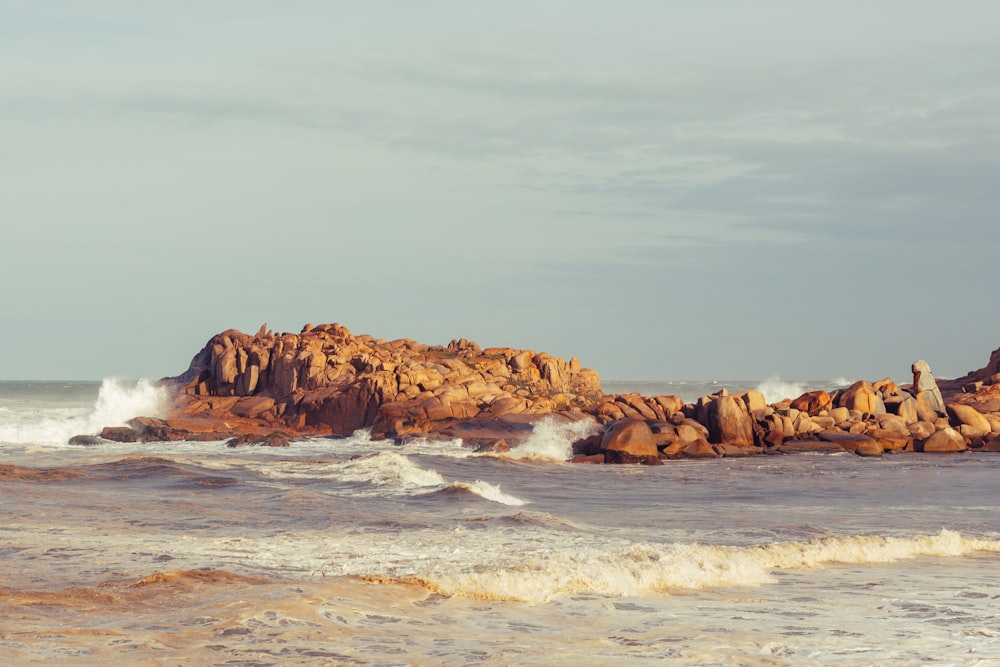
(629, 439)
(729, 421)
(944, 440)
(812, 402)
(862, 397)
(968, 421)
(925, 387)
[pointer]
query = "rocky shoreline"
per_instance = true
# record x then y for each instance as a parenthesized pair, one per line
(268, 388)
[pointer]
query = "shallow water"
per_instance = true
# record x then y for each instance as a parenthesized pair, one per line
(359, 552)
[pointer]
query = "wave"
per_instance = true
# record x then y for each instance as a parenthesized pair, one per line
(389, 469)
(775, 389)
(551, 440)
(478, 489)
(117, 402)
(395, 470)
(641, 570)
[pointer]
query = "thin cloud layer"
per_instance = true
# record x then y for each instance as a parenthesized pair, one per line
(713, 184)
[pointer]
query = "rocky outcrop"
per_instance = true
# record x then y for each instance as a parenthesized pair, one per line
(267, 389)
(325, 380)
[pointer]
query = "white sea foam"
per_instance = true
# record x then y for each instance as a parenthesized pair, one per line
(552, 440)
(490, 492)
(389, 469)
(650, 569)
(117, 402)
(775, 389)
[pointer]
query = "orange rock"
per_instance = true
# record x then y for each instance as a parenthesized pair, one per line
(977, 426)
(944, 440)
(630, 436)
(730, 422)
(812, 402)
(862, 397)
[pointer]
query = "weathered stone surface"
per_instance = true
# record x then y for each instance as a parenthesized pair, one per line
(976, 424)
(729, 421)
(925, 387)
(847, 442)
(812, 402)
(269, 387)
(809, 445)
(869, 449)
(862, 397)
(631, 437)
(615, 456)
(327, 380)
(903, 405)
(891, 440)
(277, 439)
(86, 440)
(699, 449)
(945, 440)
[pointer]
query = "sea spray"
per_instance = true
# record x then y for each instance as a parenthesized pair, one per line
(117, 402)
(775, 389)
(552, 440)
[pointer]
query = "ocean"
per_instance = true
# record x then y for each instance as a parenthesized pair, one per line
(362, 552)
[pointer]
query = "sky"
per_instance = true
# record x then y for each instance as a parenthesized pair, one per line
(666, 190)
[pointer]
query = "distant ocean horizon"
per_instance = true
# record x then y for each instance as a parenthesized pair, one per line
(364, 552)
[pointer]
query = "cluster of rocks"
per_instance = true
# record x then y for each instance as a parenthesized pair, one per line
(868, 419)
(268, 388)
(327, 381)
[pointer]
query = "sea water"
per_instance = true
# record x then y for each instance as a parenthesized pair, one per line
(356, 551)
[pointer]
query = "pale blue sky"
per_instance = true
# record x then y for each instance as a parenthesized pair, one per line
(666, 190)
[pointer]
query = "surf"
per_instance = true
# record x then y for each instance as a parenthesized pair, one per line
(117, 402)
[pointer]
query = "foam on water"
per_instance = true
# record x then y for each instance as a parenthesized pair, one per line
(490, 492)
(642, 570)
(775, 389)
(552, 440)
(117, 402)
(389, 469)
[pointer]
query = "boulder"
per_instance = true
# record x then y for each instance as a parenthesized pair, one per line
(904, 406)
(631, 437)
(869, 449)
(86, 440)
(863, 398)
(925, 387)
(944, 440)
(847, 442)
(812, 402)
(699, 449)
(968, 421)
(729, 421)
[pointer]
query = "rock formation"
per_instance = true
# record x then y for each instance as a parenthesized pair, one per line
(267, 389)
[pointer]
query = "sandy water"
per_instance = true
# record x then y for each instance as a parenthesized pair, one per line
(360, 552)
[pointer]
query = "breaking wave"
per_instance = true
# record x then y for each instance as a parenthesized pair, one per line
(389, 469)
(393, 472)
(117, 402)
(488, 491)
(552, 440)
(648, 569)
(775, 389)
